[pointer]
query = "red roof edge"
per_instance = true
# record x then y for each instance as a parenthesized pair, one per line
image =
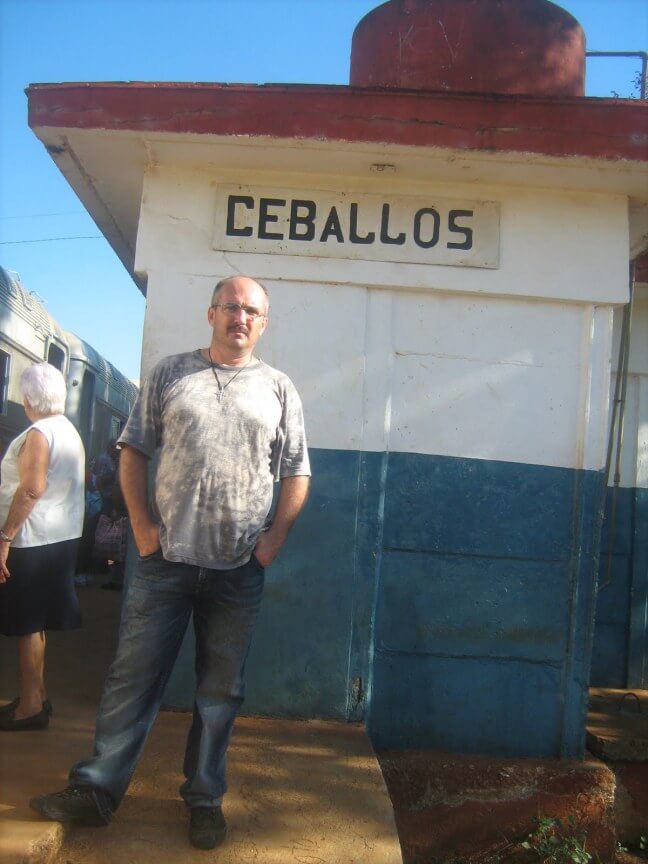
(584, 127)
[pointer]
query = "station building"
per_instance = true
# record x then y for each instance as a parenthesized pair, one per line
(446, 242)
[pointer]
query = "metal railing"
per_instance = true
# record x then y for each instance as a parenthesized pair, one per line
(643, 56)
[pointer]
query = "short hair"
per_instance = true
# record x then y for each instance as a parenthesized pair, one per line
(43, 388)
(227, 279)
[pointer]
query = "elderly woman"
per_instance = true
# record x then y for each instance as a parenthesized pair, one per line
(41, 518)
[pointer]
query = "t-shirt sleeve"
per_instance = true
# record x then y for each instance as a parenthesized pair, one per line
(143, 431)
(290, 454)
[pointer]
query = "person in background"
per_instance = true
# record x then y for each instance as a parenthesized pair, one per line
(92, 496)
(41, 514)
(105, 468)
(93, 505)
(108, 460)
(110, 541)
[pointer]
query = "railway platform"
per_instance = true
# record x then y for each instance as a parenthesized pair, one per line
(300, 791)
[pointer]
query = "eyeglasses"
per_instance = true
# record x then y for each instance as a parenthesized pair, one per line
(232, 309)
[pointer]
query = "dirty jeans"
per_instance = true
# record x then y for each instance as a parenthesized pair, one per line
(158, 603)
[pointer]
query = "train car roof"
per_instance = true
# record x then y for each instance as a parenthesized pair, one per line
(25, 304)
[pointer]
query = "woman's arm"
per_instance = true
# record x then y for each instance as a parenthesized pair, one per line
(33, 463)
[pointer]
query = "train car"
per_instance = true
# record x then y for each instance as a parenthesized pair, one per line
(99, 397)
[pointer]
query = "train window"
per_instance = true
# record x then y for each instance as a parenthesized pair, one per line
(116, 426)
(5, 362)
(56, 356)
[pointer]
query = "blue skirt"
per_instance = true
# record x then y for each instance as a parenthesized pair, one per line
(40, 593)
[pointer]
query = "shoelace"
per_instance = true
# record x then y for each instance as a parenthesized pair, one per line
(71, 792)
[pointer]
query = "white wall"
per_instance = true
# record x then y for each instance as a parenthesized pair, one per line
(508, 364)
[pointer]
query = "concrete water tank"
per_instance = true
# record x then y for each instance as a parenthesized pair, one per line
(526, 47)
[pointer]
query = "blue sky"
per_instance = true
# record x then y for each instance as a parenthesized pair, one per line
(299, 41)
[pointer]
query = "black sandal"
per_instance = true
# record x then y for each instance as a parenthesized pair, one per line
(9, 723)
(11, 706)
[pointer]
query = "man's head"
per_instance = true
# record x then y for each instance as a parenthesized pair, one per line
(238, 315)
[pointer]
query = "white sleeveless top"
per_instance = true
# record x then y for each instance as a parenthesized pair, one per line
(58, 513)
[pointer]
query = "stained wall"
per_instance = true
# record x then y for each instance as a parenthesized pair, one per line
(441, 583)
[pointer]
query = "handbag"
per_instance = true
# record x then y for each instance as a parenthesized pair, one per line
(110, 539)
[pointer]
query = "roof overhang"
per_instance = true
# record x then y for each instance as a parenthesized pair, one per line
(103, 136)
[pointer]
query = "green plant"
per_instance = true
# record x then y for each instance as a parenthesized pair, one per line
(640, 845)
(555, 843)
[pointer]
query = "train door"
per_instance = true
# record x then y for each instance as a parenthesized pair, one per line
(86, 414)
(5, 366)
(5, 361)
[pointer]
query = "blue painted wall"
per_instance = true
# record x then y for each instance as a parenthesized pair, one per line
(620, 655)
(447, 601)
(484, 614)
(310, 656)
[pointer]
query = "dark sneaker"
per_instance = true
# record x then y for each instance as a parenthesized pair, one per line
(81, 804)
(207, 827)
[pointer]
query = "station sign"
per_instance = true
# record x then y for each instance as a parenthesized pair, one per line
(409, 229)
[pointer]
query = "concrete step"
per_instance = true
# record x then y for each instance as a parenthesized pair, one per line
(459, 808)
(617, 732)
(617, 725)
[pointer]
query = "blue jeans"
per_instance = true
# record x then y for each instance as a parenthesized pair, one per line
(158, 603)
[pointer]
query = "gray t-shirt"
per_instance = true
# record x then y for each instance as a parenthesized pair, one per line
(217, 459)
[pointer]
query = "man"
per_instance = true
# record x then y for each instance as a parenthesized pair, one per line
(223, 425)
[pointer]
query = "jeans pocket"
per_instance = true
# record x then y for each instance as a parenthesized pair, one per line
(150, 556)
(257, 563)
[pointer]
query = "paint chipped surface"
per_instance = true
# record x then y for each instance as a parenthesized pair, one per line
(597, 128)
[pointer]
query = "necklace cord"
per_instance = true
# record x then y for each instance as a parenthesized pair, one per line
(221, 388)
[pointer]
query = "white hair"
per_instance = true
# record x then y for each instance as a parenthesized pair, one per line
(43, 388)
